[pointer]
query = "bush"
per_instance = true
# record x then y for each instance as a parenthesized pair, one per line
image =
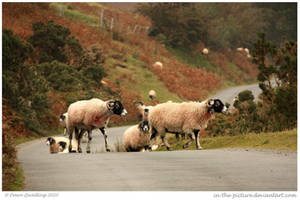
(53, 42)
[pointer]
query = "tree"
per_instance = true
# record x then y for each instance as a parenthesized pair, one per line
(53, 42)
(278, 79)
(15, 51)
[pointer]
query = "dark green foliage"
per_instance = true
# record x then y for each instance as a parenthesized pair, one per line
(94, 73)
(220, 25)
(14, 51)
(53, 42)
(60, 76)
(277, 107)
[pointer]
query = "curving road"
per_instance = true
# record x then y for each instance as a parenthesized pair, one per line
(206, 170)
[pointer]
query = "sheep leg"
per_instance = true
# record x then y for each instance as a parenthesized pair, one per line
(153, 136)
(196, 132)
(88, 148)
(163, 138)
(70, 140)
(189, 142)
(177, 136)
(105, 139)
(78, 137)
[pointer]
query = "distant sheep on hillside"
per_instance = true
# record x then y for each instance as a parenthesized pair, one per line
(152, 94)
(205, 51)
(158, 65)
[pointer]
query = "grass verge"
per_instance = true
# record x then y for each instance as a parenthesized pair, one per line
(285, 140)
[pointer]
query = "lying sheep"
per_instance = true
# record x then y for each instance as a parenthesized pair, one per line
(186, 117)
(59, 144)
(87, 115)
(152, 94)
(137, 138)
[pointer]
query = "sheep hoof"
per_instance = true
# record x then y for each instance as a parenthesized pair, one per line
(108, 150)
(199, 148)
(70, 149)
(79, 150)
(88, 151)
(169, 149)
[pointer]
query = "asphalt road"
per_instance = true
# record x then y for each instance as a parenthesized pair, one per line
(205, 170)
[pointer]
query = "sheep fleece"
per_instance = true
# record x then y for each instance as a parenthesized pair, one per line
(90, 113)
(186, 116)
(135, 138)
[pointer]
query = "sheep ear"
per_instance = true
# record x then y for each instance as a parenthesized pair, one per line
(111, 104)
(210, 102)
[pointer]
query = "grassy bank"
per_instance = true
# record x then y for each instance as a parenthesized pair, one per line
(285, 140)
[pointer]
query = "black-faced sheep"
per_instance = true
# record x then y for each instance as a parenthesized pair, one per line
(137, 138)
(62, 121)
(152, 94)
(59, 144)
(186, 117)
(87, 115)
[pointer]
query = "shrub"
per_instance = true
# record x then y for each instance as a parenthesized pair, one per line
(53, 42)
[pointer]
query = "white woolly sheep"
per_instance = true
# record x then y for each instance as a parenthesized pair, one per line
(158, 65)
(186, 117)
(205, 51)
(240, 49)
(142, 108)
(59, 144)
(137, 138)
(152, 94)
(87, 115)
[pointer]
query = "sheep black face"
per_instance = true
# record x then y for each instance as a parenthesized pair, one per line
(62, 118)
(144, 126)
(217, 105)
(117, 108)
(50, 141)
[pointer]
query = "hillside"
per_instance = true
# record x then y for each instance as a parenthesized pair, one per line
(129, 55)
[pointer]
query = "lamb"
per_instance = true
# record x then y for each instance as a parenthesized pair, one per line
(152, 94)
(205, 51)
(157, 65)
(137, 138)
(186, 117)
(87, 115)
(59, 144)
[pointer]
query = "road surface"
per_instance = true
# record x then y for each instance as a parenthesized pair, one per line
(205, 170)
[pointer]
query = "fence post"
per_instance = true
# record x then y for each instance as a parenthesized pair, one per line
(62, 11)
(112, 24)
(101, 18)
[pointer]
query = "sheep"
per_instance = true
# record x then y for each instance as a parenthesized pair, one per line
(59, 144)
(205, 51)
(246, 50)
(91, 114)
(62, 120)
(158, 65)
(240, 49)
(152, 94)
(137, 138)
(141, 107)
(186, 117)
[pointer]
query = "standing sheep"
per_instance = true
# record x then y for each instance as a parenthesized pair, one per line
(186, 117)
(62, 121)
(87, 115)
(152, 94)
(205, 51)
(158, 65)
